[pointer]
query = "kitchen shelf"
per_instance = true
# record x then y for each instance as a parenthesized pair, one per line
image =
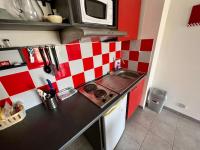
(21, 55)
(12, 66)
(31, 25)
(9, 48)
(93, 26)
(43, 26)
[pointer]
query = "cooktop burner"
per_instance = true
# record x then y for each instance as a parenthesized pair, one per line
(90, 87)
(100, 93)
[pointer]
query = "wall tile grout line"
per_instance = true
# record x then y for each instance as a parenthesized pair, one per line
(144, 139)
(148, 131)
(175, 134)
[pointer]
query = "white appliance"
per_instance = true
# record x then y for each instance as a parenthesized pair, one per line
(94, 11)
(114, 123)
(103, 8)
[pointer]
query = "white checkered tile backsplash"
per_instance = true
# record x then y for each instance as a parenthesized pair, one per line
(79, 63)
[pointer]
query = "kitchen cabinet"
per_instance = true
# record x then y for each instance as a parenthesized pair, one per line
(134, 98)
(128, 18)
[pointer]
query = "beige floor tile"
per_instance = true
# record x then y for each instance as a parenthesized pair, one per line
(144, 117)
(136, 131)
(187, 136)
(186, 141)
(153, 142)
(168, 117)
(163, 130)
(127, 143)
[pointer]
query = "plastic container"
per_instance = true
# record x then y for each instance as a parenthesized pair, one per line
(156, 99)
(66, 93)
(12, 119)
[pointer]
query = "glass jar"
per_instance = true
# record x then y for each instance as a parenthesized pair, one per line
(27, 9)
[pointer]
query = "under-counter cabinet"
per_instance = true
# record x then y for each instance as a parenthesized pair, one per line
(128, 18)
(134, 98)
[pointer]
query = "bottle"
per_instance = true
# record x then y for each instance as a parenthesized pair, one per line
(118, 66)
(38, 9)
(28, 10)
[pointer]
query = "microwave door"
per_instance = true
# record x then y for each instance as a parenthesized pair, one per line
(97, 11)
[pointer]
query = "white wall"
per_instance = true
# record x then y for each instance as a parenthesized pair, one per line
(150, 16)
(2, 5)
(178, 65)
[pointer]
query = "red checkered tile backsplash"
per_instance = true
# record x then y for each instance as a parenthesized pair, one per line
(79, 63)
(136, 54)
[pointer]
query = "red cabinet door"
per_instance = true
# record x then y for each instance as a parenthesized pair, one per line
(135, 97)
(128, 18)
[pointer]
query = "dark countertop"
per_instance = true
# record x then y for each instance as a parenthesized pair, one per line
(45, 129)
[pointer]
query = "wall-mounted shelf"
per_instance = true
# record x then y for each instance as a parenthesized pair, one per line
(31, 26)
(12, 55)
(10, 48)
(93, 26)
(12, 66)
(42, 26)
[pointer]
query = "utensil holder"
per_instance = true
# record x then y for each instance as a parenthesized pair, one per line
(51, 103)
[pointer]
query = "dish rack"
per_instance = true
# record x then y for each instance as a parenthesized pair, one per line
(19, 116)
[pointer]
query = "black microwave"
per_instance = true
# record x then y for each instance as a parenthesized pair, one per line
(99, 12)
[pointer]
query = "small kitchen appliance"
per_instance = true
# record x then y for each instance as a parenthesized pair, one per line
(101, 12)
(94, 11)
(98, 94)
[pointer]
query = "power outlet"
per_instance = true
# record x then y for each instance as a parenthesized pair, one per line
(181, 105)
